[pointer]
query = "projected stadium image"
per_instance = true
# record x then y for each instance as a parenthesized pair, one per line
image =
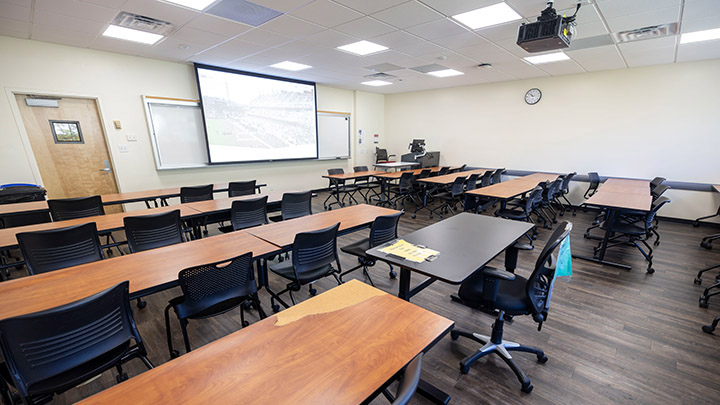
(252, 117)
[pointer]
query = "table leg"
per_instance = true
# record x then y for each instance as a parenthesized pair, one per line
(404, 288)
(600, 256)
(511, 257)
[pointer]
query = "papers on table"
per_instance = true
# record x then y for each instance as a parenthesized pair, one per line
(408, 251)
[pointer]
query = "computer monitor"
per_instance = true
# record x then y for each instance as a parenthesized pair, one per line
(417, 146)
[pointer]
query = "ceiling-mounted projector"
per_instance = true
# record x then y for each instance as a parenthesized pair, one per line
(550, 31)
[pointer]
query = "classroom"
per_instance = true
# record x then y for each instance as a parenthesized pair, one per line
(368, 201)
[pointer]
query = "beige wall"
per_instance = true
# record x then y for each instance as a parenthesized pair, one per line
(118, 81)
(641, 123)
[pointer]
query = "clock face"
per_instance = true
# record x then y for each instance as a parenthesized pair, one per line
(533, 96)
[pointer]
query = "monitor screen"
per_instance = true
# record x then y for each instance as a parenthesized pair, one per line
(417, 146)
(250, 117)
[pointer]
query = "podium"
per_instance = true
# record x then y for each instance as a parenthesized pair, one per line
(431, 159)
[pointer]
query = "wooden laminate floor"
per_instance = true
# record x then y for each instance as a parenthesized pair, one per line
(613, 336)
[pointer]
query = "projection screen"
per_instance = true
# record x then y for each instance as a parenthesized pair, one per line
(251, 117)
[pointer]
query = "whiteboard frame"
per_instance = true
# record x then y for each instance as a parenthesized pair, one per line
(336, 114)
(147, 100)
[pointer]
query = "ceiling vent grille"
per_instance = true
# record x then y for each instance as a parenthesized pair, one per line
(381, 76)
(142, 23)
(654, 31)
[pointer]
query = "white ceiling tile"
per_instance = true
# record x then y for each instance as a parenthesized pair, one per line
(396, 39)
(396, 58)
(561, 68)
(22, 3)
(8, 32)
(701, 15)
(369, 6)
(420, 48)
(649, 52)
(262, 37)
(229, 51)
(699, 51)
(15, 12)
(53, 20)
(451, 60)
(10, 25)
(326, 13)
(282, 5)
(487, 53)
(620, 8)
(407, 15)
(175, 15)
(437, 29)
(218, 25)
(365, 28)
(587, 13)
(116, 4)
(590, 29)
(170, 49)
(331, 38)
(61, 36)
(117, 45)
(188, 35)
(454, 7)
(77, 9)
(532, 9)
(600, 58)
(655, 17)
(461, 40)
(501, 32)
(292, 27)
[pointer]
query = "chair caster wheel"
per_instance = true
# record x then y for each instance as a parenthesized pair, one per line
(696, 224)
(109, 252)
(392, 274)
(174, 354)
(657, 243)
(454, 335)
(245, 324)
(527, 387)
(248, 305)
(543, 359)
(414, 216)
(313, 292)
(141, 304)
(464, 369)
(121, 377)
(706, 245)
(697, 280)
(704, 303)
(276, 308)
(205, 233)
(708, 329)
(650, 270)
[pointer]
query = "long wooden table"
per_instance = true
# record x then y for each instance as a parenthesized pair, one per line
(513, 188)
(340, 347)
(387, 177)
(432, 184)
(616, 195)
(148, 271)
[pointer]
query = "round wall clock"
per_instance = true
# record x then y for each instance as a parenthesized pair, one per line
(533, 96)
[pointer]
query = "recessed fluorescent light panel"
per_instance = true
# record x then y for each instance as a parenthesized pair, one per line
(376, 83)
(699, 36)
(287, 65)
(445, 73)
(129, 34)
(547, 58)
(487, 16)
(194, 4)
(363, 48)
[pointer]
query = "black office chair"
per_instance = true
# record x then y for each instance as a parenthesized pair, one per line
(247, 214)
(210, 290)
(549, 197)
(450, 199)
(492, 289)
(459, 169)
(659, 191)
(193, 194)
(404, 191)
(486, 179)
(524, 212)
(81, 207)
(409, 380)
(55, 249)
(240, 188)
(656, 182)
(443, 171)
(381, 155)
(497, 176)
(628, 232)
(364, 183)
(339, 190)
(564, 191)
(383, 229)
(52, 351)
(594, 179)
(154, 231)
(312, 256)
(294, 205)
(471, 182)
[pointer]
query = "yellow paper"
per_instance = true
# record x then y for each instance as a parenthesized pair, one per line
(408, 251)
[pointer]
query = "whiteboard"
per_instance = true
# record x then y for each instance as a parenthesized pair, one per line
(178, 134)
(333, 135)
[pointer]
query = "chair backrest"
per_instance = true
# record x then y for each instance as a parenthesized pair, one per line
(565, 188)
(650, 217)
(462, 168)
(59, 348)
(553, 189)
(424, 173)
(486, 178)
(147, 232)
(384, 229)
(471, 183)
(656, 182)
(659, 190)
(594, 179)
(497, 176)
(540, 283)
(239, 188)
(295, 205)
(71, 208)
(196, 193)
(458, 186)
(210, 284)
(406, 182)
(315, 249)
(444, 170)
(360, 168)
(59, 248)
(380, 154)
(248, 213)
(409, 381)
(533, 199)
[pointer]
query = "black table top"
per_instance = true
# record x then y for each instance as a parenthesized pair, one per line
(465, 241)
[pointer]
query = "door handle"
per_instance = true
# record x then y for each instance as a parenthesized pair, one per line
(107, 168)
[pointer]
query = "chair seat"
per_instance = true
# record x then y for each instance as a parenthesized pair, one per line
(357, 248)
(511, 295)
(511, 213)
(285, 270)
(225, 229)
(277, 218)
(217, 309)
(446, 196)
(625, 228)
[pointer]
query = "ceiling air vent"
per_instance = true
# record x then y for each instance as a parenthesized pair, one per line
(381, 76)
(142, 23)
(640, 34)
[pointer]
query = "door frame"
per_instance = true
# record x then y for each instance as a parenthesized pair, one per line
(11, 92)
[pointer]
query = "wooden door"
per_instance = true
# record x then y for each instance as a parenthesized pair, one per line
(72, 158)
